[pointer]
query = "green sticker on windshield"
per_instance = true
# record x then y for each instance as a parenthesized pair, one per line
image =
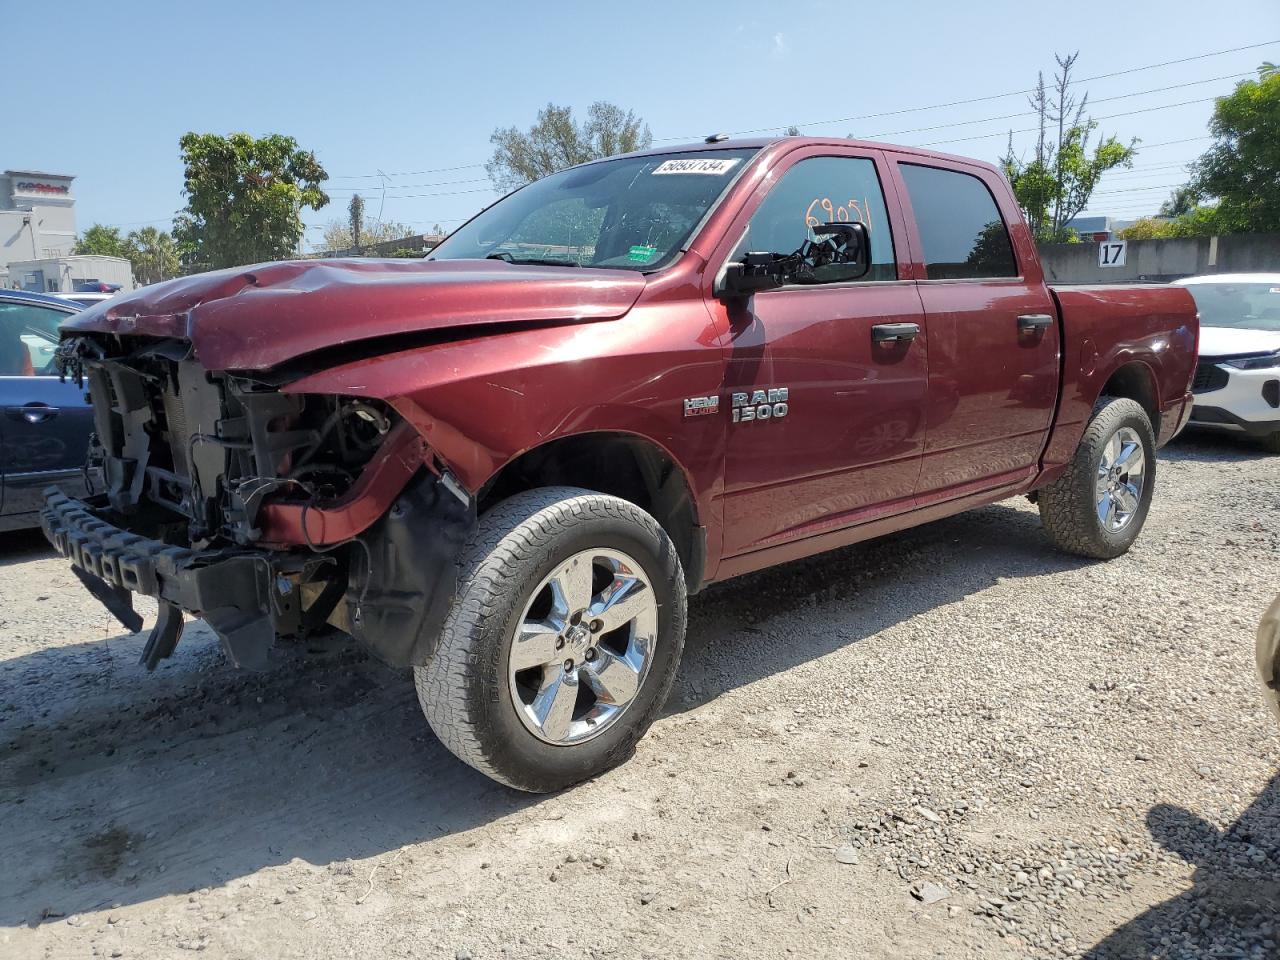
(641, 254)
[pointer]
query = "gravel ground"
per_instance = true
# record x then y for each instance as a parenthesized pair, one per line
(950, 743)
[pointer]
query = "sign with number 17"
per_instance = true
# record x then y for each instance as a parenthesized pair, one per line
(1111, 253)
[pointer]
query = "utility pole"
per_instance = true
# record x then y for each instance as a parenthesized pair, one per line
(356, 211)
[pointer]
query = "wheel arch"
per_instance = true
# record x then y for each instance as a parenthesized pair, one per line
(1134, 380)
(619, 463)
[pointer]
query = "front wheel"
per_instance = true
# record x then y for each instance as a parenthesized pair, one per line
(563, 642)
(1098, 506)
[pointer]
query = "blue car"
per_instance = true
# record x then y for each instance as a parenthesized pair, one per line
(44, 423)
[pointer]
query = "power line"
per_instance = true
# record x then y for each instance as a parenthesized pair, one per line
(994, 96)
(410, 173)
(1162, 186)
(138, 223)
(1154, 170)
(1113, 116)
(446, 193)
(406, 186)
(890, 113)
(1032, 113)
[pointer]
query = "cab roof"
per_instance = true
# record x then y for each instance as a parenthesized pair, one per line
(760, 143)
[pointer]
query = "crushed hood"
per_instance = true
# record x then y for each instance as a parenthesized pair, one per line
(253, 318)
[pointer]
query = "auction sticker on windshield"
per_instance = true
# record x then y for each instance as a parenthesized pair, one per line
(702, 165)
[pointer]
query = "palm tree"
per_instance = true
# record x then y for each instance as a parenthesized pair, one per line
(153, 253)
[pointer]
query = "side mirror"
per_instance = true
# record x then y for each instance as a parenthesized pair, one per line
(849, 247)
(757, 271)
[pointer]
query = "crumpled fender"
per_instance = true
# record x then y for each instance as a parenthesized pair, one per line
(481, 402)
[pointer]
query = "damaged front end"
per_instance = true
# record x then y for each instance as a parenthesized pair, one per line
(267, 514)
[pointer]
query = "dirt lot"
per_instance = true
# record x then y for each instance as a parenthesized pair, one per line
(1072, 756)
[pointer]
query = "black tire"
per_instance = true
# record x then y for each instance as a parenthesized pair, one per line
(464, 689)
(1271, 442)
(1069, 505)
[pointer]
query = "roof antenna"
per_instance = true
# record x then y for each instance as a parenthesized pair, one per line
(716, 138)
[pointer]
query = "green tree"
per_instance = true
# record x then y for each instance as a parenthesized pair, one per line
(1147, 228)
(1181, 202)
(337, 235)
(1241, 170)
(557, 141)
(1055, 185)
(244, 198)
(100, 241)
(153, 254)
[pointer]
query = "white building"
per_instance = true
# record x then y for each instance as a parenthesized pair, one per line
(69, 274)
(38, 233)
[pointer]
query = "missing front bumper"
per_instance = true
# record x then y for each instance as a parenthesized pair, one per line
(229, 589)
(391, 587)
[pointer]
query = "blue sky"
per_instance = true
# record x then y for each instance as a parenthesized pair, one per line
(414, 90)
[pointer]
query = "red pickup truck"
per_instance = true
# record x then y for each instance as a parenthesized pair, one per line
(507, 466)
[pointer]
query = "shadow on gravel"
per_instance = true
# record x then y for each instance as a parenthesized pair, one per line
(746, 629)
(117, 786)
(19, 546)
(1210, 445)
(1235, 888)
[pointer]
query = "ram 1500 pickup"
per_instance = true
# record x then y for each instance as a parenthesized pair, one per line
(507, 466)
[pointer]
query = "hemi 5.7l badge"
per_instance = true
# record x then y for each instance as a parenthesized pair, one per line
(701, 406)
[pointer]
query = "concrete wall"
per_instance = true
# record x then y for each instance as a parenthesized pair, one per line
(1163, 260)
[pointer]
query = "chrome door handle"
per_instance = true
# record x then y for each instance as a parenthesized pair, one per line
(1034, 322)
(32, 412)
(894, 332)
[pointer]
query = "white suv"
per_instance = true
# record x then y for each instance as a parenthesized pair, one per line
(1237, 382)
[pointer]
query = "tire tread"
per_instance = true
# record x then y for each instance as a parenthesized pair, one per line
(510, 537)
(1066, 510)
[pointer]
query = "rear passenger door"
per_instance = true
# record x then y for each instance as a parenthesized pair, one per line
(44, 423)
(993, 330)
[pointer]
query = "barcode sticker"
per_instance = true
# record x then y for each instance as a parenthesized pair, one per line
(713, 167)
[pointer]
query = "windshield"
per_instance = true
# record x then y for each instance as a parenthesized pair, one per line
(634, 213)
(1246, 306)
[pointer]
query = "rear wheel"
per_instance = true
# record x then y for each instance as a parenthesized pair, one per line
(1271, 442)
(563, 643)
(1098, 506)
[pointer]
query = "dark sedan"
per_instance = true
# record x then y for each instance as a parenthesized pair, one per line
(45, 424)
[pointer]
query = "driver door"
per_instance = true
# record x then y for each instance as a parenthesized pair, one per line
(836, 431)
(44, 423)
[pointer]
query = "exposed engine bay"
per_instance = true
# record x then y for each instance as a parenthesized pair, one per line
(268, 514)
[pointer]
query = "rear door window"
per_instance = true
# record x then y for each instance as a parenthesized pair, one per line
(963, 234)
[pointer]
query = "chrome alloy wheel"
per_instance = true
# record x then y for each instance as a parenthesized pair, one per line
(583, 646)
(1121, 475)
